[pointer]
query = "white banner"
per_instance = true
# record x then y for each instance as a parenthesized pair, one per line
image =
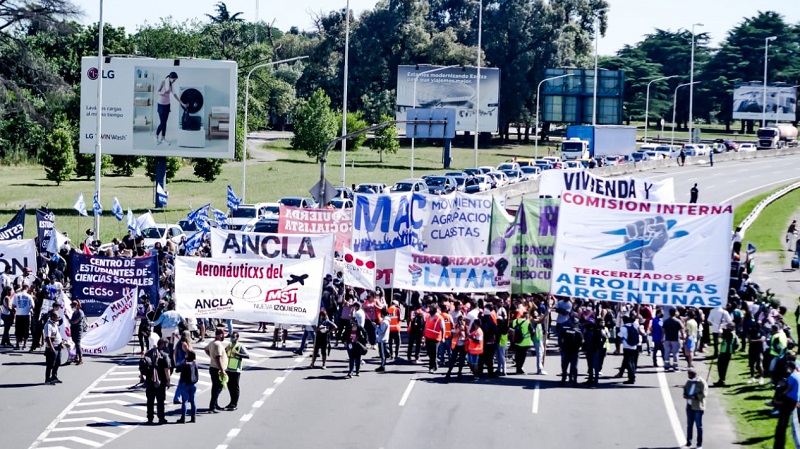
(254, 245)
(113, 329)
(384, 222)
(358, 270)
(453, 224)
(283, 290)
(652, 253)
(18, 254)
(554, 182)
(451, 274)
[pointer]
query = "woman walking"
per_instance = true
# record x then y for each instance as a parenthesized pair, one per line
(356, 347)
(77, 326)
(323, 329)
(459, 346)
(7, 315)
(182, 348)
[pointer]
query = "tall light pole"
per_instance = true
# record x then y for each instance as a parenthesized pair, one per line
(594, 89)
(414, 105)
(764, 97)
(344, 89)
(98, 148)
(536, 124)
(478, 81)
(691, 84)
(674, 108)
(647, 104)
(246, 103)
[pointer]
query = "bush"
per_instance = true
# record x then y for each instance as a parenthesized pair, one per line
(59, 160)
(173, 165)
(355, 122)
(207, 169)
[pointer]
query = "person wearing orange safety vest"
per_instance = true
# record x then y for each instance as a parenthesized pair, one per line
(394, 328)
(434, 334)
(458, 345)
(474, 347)
(446, 348)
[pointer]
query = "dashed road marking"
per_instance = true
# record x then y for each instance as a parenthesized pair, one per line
(407, 393)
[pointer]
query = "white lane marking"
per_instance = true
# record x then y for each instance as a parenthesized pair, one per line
(407, 393)
(75, 439)
(258, 404)
(675, 423)
(106, 410)
(222, 446)
(246, 417)
(40, 439)
(112, 402)
(269, 391)
(535, 407)
(758, 188)
(233, 432)
(279, 380)
(102, 433)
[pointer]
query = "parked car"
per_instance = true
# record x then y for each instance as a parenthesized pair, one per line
(264, 225)
(344, 192)
(342, 203)
(640, 156)
(526, 162)
(748, 147)
(189, 228)
(668, 150)
(729, 144)
(553, 160)
(529, 173)
(477, 183)
(460, 178)
(160, 233)
(648, 147)
(244, 213)
(441, 185)
(486, 169)
(544, 164)
(514, 176)
(473, 171)
(508, 166)
(374, 187)
(500, 178)
(689, 151)
(298, 201)
(411, 185)
(654, 155)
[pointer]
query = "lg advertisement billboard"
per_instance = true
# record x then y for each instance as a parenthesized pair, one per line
(748, 102)
(450, 88)
(160, 107)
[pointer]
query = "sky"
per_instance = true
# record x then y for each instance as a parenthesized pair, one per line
(629, 20)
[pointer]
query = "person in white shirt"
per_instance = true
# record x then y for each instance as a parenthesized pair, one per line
(359, 315)
(52, 349)
(736, 239)
(7, 278)
(22, 303)
(718, 318)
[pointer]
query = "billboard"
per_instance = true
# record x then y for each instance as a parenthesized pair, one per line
(450, 88)
(160, 107)
(748, 102)
(571, 99)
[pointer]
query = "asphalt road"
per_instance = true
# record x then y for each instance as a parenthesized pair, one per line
(284, 404)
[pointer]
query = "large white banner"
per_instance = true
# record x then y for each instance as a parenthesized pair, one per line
(652, 253)
(358, 270)
(283, 290)
(18, 254)
(451, 274)
(384, 222)
(113, 329)
(554, 182)
(254, 245)
(453, 224)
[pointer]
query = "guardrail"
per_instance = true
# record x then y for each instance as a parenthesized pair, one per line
(764, 203)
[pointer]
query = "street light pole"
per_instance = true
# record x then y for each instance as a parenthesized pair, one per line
(647, 104)
(246, 103)
(414, 105)
(674, 108)
(764, 97)
(594, 87)
(691, 83)
(536, 122)
(98, 149)
(344, 90)
(478, 81)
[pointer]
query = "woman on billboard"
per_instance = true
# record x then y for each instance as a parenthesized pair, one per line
(164, 90)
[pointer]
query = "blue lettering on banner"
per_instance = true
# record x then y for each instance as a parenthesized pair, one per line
(390, 232)
(454, 277)
(639, 291)
(99, 281)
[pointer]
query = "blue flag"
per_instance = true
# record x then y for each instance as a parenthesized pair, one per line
(80, 206)
(194, 242)
(131, 221)
(97, 208)
(116, 209)
(203, 224)
(161, 196)
(233, 200)
(201, 213)
(220, 218)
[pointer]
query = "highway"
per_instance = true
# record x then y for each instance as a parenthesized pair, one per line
(287, 405)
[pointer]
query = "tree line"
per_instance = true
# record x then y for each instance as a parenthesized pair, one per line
(41, 45)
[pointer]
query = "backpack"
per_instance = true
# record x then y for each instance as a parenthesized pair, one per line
(571, 340)
(632, 335)
(418, 322)
(148, 365)
(518, 337)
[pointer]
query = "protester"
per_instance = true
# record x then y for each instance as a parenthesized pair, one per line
(434, 332)
(459, 344)
(356, 348)
(693, 192)
(571, 342)
(694, 391)
(157, 380)
(7, 315)
(22, 304)
(394, 328)
(182, 348)
(217, 367)
(490, 337)
(593, 340)
(474, 347)
(729, 343)
(382, 339)
(189, 376)
(236, 352)
(673, 332)
(52, 350)
(324, 329)
(521, 332)
(77, 326)
(630, 335)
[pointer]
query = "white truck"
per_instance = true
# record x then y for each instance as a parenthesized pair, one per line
(776, 137)
(586, 141)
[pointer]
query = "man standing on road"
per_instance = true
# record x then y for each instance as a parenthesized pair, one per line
(673, 330)
(791, 396)
(521, 333)
(52, 349)
(693, 194)
(711, 157)
(219, 360)
(791, 235)
(434, 332)
(682, 157)
(694, 391)
(630, 336)
(235, 352)
(718, 318)
(22, 303)
(157, 380)
(571, 342)
(657, 333)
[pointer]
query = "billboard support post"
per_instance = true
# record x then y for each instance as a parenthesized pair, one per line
(764, 96)
(99, 134)
(344, 88)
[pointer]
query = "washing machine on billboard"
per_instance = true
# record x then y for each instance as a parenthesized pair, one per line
(192, 133)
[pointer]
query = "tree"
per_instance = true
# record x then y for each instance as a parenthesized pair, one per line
(84, 165)
(386, 139)
(315, 125)
(223, 15)
(355, 122)
(59, 157)
(207, 169)
(125, 165)
(174, 164)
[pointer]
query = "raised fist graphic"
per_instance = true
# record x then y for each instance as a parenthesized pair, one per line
(651, 234)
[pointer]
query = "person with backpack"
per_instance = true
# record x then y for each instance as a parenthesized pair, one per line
(571, 342)
(156, 365)
(415, 329)
(521, 333)
(490, 337)
(325, 328)
(188, 383)
(629, 335)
